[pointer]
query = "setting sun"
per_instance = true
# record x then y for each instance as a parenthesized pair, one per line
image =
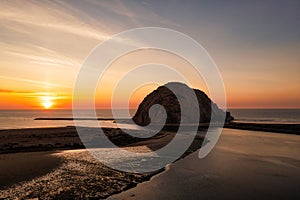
(47, 102)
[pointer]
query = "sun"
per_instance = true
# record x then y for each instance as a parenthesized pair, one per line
(47, 102)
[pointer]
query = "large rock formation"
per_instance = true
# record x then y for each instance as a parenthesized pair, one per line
(165, 97)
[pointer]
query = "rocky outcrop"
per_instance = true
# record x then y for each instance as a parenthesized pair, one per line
(188, 103)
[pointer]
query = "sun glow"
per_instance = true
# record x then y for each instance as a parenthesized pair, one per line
(47, 102)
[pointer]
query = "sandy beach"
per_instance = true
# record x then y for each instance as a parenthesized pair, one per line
(244, 164)
(39, 163)
(20, 167)
(78, 176)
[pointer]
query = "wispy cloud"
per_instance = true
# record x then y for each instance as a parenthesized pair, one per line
(36, 82)
(44, 60)
(13, 91)
(47, 15)
(140, 14)
(43, 43)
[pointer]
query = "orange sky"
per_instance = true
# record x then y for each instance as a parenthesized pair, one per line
(43, 45)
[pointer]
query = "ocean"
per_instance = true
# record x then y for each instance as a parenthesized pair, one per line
(16, 119)
(273, 116)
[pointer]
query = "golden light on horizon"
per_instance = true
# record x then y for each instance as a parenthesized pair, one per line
(47, 102)
(40, 72)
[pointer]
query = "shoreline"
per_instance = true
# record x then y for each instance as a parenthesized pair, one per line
(63, 140)
(243, 165)
(66, 138)
(265, 127)
(78, 173)
(75, 175)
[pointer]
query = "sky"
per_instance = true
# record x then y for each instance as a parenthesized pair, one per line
(43, 44)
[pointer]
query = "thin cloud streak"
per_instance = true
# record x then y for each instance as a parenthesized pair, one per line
(44, 60)
(14, 91)
(48, 17)
(39, 83)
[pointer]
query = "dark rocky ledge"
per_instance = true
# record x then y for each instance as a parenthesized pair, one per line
(275, 128)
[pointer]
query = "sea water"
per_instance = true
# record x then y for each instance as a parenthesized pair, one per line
(16, 119)
(273, 116)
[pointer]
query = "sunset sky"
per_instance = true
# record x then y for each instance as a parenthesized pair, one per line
(255, 44)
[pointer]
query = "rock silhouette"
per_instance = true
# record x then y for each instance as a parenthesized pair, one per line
(173, 113)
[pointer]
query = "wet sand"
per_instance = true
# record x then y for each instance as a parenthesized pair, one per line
(68, 174)
(19, 167)
(38, 139)
(243, 165)
(79, 176)
(63, 138)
